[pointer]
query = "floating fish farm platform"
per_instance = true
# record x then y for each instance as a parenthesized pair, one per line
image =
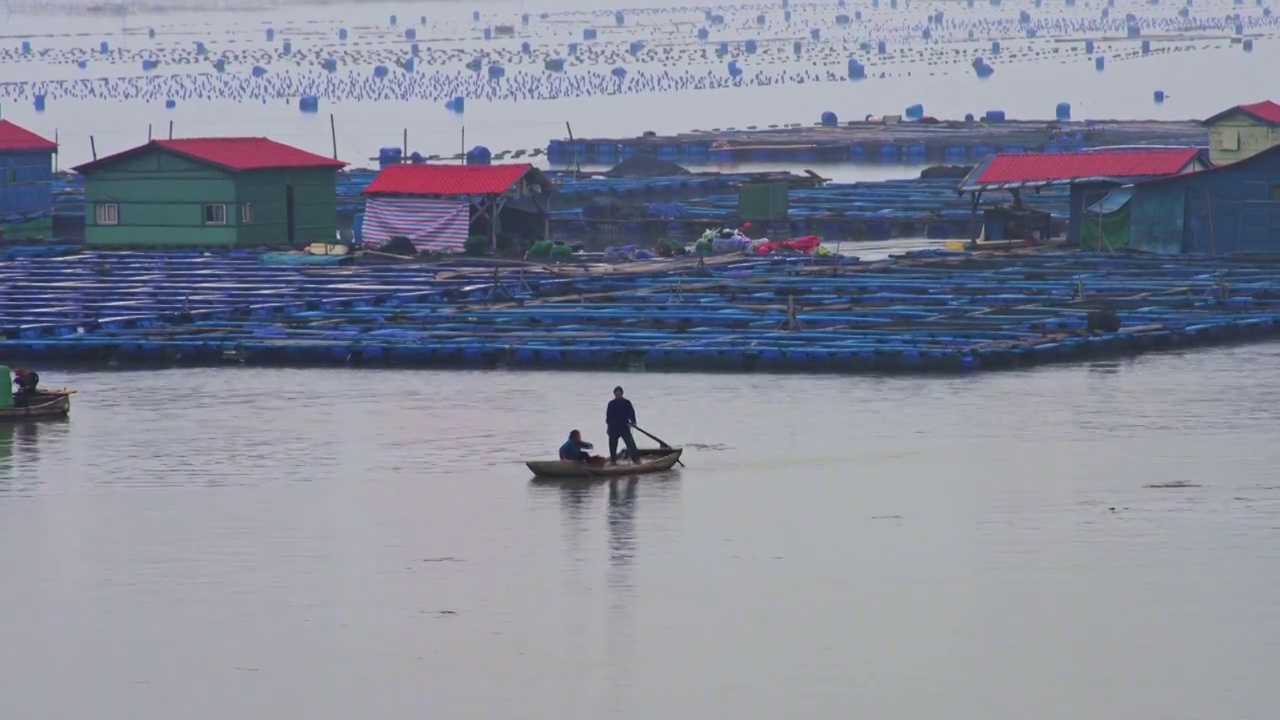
(920, 208)
(913, 143)
(930, 311)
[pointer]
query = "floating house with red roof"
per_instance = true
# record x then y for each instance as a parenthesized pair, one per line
(210, 192)
(439, 207)
(1091, 175)
(1231, 209)
(26, 181)
(1243, 131)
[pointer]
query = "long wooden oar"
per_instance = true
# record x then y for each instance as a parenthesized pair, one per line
(661, 443)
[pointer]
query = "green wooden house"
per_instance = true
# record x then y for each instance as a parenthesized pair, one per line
(210, 192)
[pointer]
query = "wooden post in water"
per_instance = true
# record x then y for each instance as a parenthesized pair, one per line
(170, 129)
(148, 132)
(463, 147)
(405, 150)
(577, 166)
(333, 135)
(93, 147)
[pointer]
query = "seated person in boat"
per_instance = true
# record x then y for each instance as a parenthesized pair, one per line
(26, 382)
(575, 448)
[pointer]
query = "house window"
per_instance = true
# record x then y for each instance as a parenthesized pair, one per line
(215, 214)
(106, 214)
(1275, 193)
(246, 213)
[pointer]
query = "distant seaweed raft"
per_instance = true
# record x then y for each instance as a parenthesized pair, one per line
(927, 312)
(454, 54)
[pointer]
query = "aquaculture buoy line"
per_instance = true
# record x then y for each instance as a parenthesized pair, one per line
(738, 314)
(574, 54)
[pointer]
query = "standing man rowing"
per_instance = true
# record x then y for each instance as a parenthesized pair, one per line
(619, 416)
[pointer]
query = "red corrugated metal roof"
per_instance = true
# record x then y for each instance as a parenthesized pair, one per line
(13, 137)
(1266, 111)
(446, 179)
(247, 153)
(1061, 167)
(233, 153)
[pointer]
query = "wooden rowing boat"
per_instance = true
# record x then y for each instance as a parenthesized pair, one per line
(651, 461)
(46, 404)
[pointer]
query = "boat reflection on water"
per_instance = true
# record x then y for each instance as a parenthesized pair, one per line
(623, 524)
(20, 450)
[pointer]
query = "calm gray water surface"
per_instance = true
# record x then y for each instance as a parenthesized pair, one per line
(334, 544)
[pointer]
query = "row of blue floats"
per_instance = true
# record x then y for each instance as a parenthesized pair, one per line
(910, 314)
(561, 152)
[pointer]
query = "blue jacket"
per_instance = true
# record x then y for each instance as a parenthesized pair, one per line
(619, 415)
(572, 449)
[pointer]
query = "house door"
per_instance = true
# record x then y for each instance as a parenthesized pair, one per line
(290, 216)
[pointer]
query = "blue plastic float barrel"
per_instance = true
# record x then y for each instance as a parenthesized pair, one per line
(815, 34)
(342, 33)
(26, 47)
(1158, 96)
(703, 33)
(389, 156)
(857, 71)
(381, 71)
(914, 112)
(829, 119)
(258, 71)
(475, 16)
(271, 34)
(104, 47)
(1100, 62)
(496, 72)
(479, 155)
(488, 33)
(619, 72)
(588, 34)
(1063, 111)
(287, 48)
(38, 101)
(619, 18)
(1088, 47)
(410, 34)
(170, 104)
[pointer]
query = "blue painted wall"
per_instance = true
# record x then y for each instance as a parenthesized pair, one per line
(1157, 218)
(26, 185)
(1230, 209)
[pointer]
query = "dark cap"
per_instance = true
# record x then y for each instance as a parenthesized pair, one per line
(618, 389)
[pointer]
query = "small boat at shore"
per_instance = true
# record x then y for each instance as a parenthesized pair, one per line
(651, 461)
(45, 404)
(35, 405)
